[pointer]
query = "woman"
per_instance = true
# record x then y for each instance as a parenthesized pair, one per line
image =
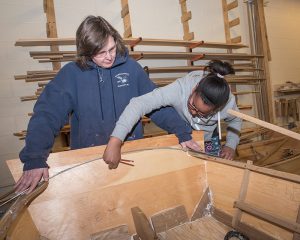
(92, 92)
(202, 103)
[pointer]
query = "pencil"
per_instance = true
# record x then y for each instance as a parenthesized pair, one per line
(126, 163)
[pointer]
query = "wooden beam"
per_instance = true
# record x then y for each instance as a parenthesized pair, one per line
(125, 14)
(279, 221)
(242, 196)
(128, 41)
(51, 27)
(265, 124)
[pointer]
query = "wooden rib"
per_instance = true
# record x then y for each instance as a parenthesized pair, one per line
(279, 221)
(297, 235)
(242, 196)
(265, 124)
(252, 233)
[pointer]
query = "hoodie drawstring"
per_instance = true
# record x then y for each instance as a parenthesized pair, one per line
(219, 126)
(100, 80)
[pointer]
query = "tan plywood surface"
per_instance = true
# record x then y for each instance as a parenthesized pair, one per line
(278, 197)
(90, 197)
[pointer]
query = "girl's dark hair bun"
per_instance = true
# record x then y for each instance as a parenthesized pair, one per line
(223, 68)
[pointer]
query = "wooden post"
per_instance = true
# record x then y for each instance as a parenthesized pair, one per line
(126, 19)
(187, 35)
(51, 28)
(262, 48)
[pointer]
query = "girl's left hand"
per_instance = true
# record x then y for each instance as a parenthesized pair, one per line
(191, 144)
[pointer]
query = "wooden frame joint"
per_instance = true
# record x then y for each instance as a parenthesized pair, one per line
(135, 42)
(198, 57)
(197, 44)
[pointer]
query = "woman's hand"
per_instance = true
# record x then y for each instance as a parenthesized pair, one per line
(227, 153)
(112, 153)
(30, 179)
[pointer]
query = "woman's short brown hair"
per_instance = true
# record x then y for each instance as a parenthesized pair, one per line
(91, 36)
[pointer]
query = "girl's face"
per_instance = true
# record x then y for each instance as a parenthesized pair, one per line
(106, 56)
(198, 108)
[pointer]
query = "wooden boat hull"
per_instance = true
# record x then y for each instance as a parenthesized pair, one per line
(90, 198)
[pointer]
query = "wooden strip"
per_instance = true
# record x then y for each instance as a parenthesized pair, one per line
(243, 107)
(262, 42)
(265, 124)
(242, 196)
(237, 39)
(191, 55)
(28, 98)
(244, 92)
(145, 41)
(279, 221)
(297, 235)
(251, 232)
(234, 22)
(265, 171)
(283, 161)
(232, 5)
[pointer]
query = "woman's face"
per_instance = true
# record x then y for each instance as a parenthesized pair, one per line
(105, 58)
(198, 108)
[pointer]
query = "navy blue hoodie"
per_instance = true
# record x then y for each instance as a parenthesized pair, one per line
(94, 98)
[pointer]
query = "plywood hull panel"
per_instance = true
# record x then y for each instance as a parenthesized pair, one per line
(276, 196)
(91, 198)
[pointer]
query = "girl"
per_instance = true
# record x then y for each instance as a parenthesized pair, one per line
(202, 103)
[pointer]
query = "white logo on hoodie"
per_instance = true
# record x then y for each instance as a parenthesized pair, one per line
(123, 79)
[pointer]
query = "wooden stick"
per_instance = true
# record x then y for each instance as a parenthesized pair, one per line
(126, 160)
(126, 163)
(265, 124)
